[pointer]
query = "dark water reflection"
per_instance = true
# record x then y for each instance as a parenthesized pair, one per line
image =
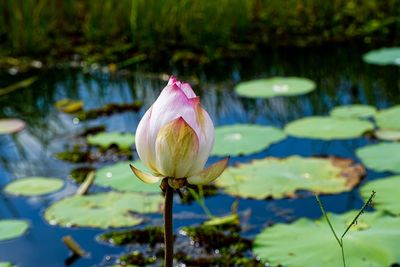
(341, 76)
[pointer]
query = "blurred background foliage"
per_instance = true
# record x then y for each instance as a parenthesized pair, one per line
(111, 28)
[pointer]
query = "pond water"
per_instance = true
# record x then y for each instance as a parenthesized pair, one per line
(339, 72)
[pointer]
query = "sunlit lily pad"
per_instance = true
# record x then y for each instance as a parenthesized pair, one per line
(120, 177)
(277, 86)
(353, 111)
(387, 194)
(6, 264)
(387, 135)
(328, 128)
(278, 178)
(381, 157)
(104, 140)
(242, 139)
(34, 186)
(372, 242)
(9, 126)
(389, 118)
(383, 56)
(102, 210)
(11, 228)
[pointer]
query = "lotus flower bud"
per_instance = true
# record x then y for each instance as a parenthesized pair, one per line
(175, 137)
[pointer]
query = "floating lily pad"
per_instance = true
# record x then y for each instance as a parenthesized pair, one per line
(383, 56)
(242, 139)
(10, 229)
(103, 210)
(6, 264)
(9, 126)
(381, 157)
(120, 177)
(277, 86)
(328, 128)
(34, 186)
(387, 135)
(389, 118)
(387, 194)
(372, 242)
(353, 111)
(278, 178)
(124, 141)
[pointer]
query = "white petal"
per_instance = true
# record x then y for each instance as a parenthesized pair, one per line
(145, 177)
(176, 149)
(143, 141)
(210, 174)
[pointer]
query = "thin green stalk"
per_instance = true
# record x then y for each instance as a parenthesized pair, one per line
(168, 226)
(200, 200)
(354, 221)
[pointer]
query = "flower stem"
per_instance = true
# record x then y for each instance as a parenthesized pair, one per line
(168, 236)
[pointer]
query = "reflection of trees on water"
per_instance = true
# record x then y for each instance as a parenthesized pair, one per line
(340, 74)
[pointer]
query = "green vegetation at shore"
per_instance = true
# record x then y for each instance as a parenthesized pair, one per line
(106, 31)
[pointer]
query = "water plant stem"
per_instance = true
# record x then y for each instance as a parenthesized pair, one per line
(354, 221)
(168, 226)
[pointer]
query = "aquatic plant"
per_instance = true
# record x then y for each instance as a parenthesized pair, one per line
(174, 140)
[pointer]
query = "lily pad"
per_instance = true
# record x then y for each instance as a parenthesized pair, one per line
(387, 135)
(383, 56)
(34, 186)
(124, 141)
(387, 194)
(372, 242)
(10, 229)
(120, 177)
(278, 178)
(102, 210)
(353, 111)
(381, 157)
(243, 139)
(6, 264)
(9, 126)
(276, 86)
(389, 119)
(328, 128)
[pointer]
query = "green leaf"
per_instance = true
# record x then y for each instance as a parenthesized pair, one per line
(243, 139)
(389, 119)
(124, 141)
(381, 157)
(9, 126)
(102, 210)
(328, 128)
(372, 242)
(278, 178)
(34, 186)
(18, 85)
(387, 194)
(276, 86)
(353, 111)
(120, 177)
(6, 264)
(10, 229)
(383, 56)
